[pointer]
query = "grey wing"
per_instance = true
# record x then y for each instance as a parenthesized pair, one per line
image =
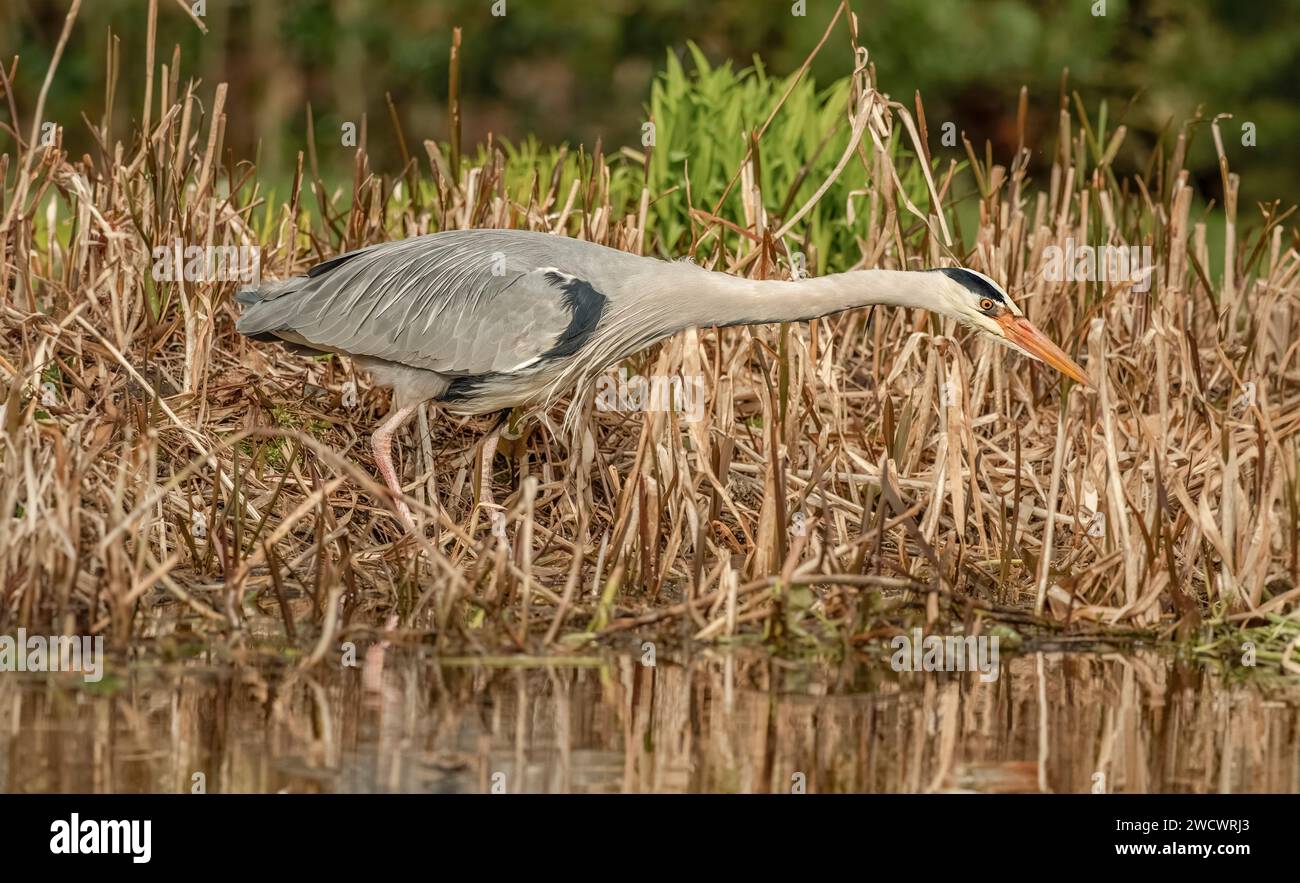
(455, 304)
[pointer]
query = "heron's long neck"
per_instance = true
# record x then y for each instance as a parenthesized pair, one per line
(722, 299)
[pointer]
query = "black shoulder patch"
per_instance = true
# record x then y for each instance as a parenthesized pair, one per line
(585, 305)
(973, 283)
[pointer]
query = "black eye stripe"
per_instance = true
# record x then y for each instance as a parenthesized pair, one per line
(973, 283)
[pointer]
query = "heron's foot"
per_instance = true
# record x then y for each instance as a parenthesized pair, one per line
(496, 517)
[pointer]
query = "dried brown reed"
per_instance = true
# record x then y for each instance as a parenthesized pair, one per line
(151, 459)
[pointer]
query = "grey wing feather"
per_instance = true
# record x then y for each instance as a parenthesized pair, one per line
(457, 303)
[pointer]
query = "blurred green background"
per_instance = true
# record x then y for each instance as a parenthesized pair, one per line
(574, 72)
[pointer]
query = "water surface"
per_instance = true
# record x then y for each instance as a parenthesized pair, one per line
(713, 722)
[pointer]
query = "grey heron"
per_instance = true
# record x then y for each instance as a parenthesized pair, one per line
(482, 321)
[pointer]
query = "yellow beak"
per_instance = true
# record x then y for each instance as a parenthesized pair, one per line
(1022, 332)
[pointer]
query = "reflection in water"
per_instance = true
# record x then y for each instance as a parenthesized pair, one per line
(731, 723)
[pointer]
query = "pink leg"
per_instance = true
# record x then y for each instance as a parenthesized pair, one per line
(485, 476)
(381, 440)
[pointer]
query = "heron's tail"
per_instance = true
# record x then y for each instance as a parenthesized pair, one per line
(263, 309)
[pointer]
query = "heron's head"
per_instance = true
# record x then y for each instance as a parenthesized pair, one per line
(977, 301)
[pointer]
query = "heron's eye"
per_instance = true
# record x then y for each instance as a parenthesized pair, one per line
(986, 304)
